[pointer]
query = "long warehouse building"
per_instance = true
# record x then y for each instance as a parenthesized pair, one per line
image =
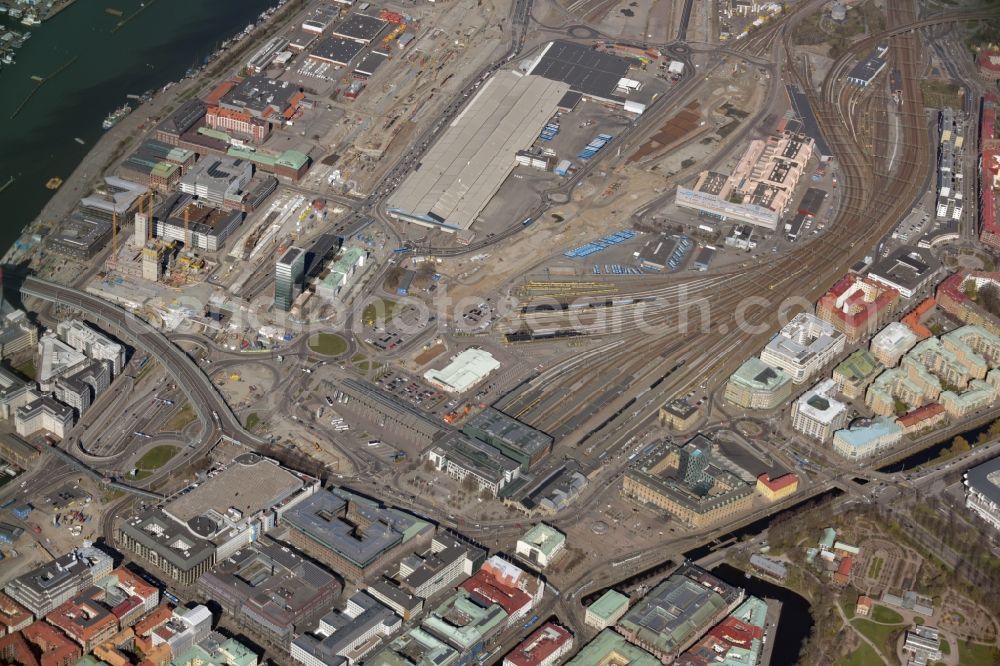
(472, 158)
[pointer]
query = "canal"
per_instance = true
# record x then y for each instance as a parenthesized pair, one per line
(933, 451)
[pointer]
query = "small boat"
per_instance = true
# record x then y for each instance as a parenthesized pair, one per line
(79, 141)
(53, 183)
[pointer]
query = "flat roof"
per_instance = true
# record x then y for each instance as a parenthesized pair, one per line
(371, 62)
(338, 50)
(587, 71)
(464, 371)
(985, 479)
(251, 483)
(470, 161)
(494, 424)
(360, 27)
(608, 604)
(907, 266)
(609, 647)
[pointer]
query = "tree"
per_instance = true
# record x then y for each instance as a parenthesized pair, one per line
(960, 445)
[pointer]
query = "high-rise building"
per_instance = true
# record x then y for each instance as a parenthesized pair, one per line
(288, 273)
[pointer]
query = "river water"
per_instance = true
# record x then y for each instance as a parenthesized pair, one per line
(157, 45)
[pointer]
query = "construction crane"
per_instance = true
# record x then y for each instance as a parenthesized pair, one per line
(150, 230)
(187, 227)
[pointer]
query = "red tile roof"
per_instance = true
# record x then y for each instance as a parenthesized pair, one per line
(778, 483)
(540, 645)
(928, 411)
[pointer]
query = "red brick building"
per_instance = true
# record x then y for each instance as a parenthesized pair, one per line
(13, 616)
(989, 64)
(857, 306)
(39, 644)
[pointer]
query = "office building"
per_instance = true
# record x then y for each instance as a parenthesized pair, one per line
(869, 440)
(759, 189)
(46, 587)
(189, 533)
(465, 458)
(606, 611)
(466, 622)
(269, 589)
(346, 636)
(157, 165)
(83, 386)
(803, 346)
(541, 545)
(44, 414)
(218, 181)
(817, 413)
(17, 334)
(675, 613)
(982, 491)
(544, 647)
(421, 575)
(857, 306)
(184, 219)
(288, 273)
(80, 237)
(353, 535)
(115, 198)
(416, 647)
(84, 620)
(340, 273)
(216, 650)
(756, 385)
(686, 482)
(891, 343)
(908, 269)
(855, 373)
(175, 629)
(509, 436)
(188, 114)
(95, 345)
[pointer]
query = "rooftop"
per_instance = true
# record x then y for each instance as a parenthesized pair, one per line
(859, 437)
(609, 647)
(547, 539)
(587, 71)
(985, 479)
(818, 403)
(465, 371)
(339, 50)
(360, 27)
(907, 267)
(465, 619)
(539, 646)
(608, 604)
(757, 375)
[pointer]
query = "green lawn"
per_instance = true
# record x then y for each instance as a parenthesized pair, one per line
(378, 310)
(184, 416)
(152, 460)
(945, 647)
(876, 567)
(863, 656)
(328, 344)
(878, 634)
(848, 605)
(252, 421)
(886, 615)
(975, 654)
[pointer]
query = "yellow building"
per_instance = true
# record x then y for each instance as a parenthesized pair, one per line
(778, 488)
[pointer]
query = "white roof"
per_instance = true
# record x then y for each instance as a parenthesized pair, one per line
(825, 391)
(465, 371)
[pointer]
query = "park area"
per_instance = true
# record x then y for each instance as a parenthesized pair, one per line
(328, 344)
(152, 460)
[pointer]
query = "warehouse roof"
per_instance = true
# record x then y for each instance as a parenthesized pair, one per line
(464, 371)
(360, 27)
(339, 50)
(472, 158)
(587, 71)
(370, 63)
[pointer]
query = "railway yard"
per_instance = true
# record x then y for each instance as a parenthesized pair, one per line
(471, 267)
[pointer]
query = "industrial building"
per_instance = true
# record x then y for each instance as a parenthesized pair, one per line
(759, 189)
(866, 441)
(686, 482)
(594, 74)
(337, 50)
(675, 613)
(803, 346)
(544, 647)
(46, 587)
(157, 165)
(514, 439)
(346, 636)
(191, 532)
(665, 252)
(81, 238)
(264, 98)
(264, 56)
(857, 306)
(360, 28)
(982, 491)
(817, 413)
(865, 71)
(471, 159)
(908, 269)
(174, 126)
(464, 371)
(270, 589)
(541, 545)
(606, 610)
(462, 457)
(353, 535)
(16, 451)
(288, 272)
